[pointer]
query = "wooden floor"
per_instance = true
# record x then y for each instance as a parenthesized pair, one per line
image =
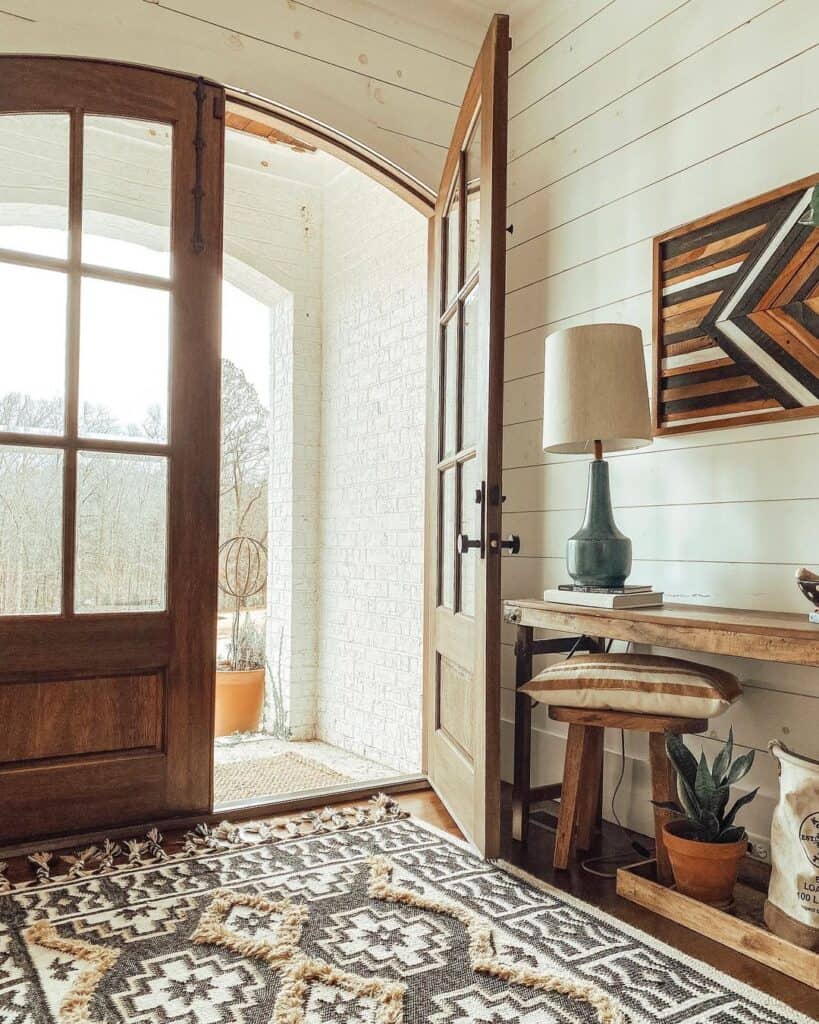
(536, 857)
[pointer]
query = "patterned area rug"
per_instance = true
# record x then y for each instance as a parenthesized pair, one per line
(234, 781)
(352, 917)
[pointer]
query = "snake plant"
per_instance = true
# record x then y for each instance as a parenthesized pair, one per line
(704, 790)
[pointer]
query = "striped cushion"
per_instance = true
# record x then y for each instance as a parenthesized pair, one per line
(644, 683)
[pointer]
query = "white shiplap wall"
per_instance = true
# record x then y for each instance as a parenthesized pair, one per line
(628, 117)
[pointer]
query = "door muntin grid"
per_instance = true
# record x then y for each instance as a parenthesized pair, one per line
(61, 424)
(458, 478)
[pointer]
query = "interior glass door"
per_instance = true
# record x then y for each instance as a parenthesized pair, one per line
(464, 456)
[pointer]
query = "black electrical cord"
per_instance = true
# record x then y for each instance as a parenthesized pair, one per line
(577, 643)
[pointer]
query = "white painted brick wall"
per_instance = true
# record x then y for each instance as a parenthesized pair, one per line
(371, 544)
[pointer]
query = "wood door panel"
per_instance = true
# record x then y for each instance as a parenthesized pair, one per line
(454, 701)
(447, 761)
(83, 646)
(456, 635)
(50, 799)
(119, 713)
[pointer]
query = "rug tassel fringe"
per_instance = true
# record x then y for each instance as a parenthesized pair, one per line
(110, 857)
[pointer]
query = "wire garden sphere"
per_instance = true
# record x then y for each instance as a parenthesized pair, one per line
(242, 567)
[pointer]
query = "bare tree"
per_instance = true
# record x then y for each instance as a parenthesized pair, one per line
(245, 457)
(121, 501)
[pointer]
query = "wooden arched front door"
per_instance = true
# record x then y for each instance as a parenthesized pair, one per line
(109, 443)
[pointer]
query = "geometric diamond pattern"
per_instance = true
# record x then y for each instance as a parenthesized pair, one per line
(328, 1003)
(270, 931)
(186, 986)
(386, 940)
(471, 1005)
(737, 334)
(500, 895)
(61, 966)
(567, 931)
(132, 924)
(654, 986)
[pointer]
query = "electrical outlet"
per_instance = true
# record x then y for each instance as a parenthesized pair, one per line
(760, 849)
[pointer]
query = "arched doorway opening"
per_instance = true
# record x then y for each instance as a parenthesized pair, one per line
(338, 261)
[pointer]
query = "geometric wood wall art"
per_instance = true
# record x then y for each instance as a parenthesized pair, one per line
(736, 314)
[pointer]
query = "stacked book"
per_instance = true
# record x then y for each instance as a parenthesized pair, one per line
(605, 597)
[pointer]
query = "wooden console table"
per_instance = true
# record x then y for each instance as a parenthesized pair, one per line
(768, 636)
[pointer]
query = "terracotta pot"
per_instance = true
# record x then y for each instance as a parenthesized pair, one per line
(239, 701)
(704, 871)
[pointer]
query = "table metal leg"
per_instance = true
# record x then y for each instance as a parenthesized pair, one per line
(523, 734)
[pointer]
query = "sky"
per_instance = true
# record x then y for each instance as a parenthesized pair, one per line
(123, 328)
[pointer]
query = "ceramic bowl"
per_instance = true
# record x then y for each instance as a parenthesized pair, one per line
(810, 588)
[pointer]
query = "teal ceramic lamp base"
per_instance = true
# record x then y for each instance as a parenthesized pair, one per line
(599, 555)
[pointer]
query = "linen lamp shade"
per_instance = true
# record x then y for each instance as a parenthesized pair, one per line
(595, 389)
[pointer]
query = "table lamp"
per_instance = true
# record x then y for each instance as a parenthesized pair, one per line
(595, 399)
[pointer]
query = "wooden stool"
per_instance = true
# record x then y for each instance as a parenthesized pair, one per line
(582, 787)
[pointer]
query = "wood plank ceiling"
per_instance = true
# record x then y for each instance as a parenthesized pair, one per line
(387, 74)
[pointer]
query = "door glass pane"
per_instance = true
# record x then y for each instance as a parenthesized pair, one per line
(31, 531)
(470, 369)
(126, 194)
(449, 398)
(470, 525)
(473, 199)
(34, 183)
(123, 361)
(121, 532)
(447, 539)
(32, 350)
(453, 240)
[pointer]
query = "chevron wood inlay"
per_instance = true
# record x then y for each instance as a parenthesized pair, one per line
(736, 326)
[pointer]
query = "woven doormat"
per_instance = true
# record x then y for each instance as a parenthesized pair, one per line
(289, 772)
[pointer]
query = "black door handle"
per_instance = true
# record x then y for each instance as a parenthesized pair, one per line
(464, 543)
(512, 544)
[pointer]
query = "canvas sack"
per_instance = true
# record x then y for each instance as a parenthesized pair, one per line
(792, 907)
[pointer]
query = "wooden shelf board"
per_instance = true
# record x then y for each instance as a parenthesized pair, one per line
(770, 636)
(741, 928)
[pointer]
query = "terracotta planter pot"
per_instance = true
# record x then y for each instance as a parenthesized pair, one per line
(239, 701)
(704, 871)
